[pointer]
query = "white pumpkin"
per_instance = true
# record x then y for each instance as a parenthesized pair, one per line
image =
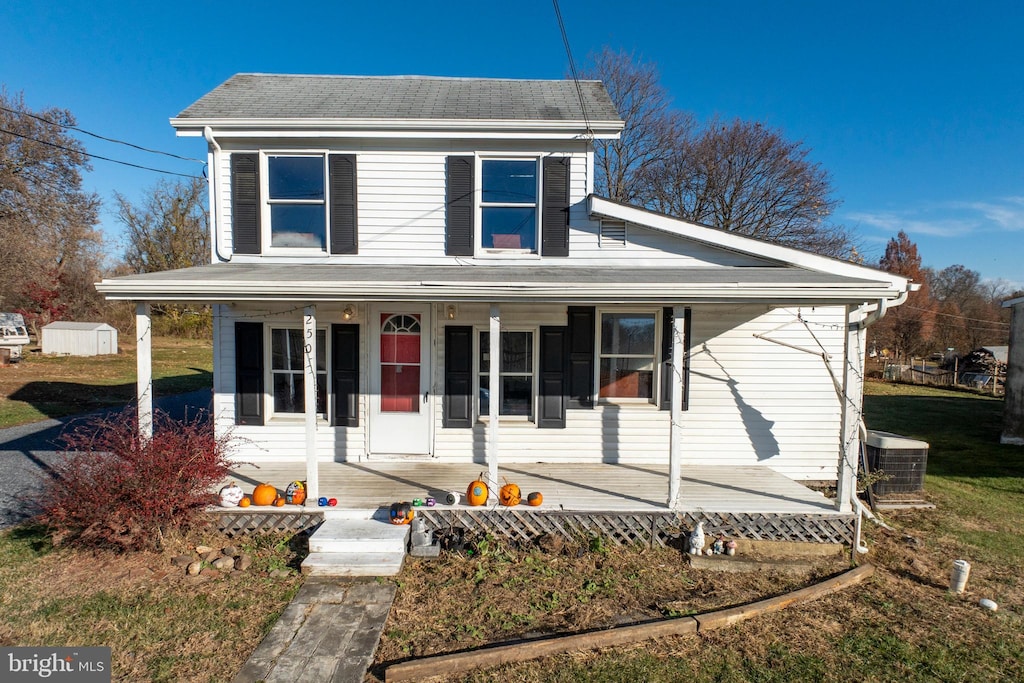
(230, 496)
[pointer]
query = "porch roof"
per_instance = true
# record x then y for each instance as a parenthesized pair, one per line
(467, 283)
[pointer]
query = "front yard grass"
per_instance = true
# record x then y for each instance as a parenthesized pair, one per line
(41, 387)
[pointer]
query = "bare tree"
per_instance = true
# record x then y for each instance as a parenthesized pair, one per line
(747, 178)
(736, 175)
(169, 229)
(652, 127)
(48, 231)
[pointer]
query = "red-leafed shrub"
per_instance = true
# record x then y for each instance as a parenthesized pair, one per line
(114, 489)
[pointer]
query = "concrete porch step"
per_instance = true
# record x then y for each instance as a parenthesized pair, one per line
(358, 536)
(353, 564)
(356, 547)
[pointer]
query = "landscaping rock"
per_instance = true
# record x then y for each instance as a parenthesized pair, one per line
(230, 551)
(280, 573)
(182, 560)
(203, 549)
(551, 544)
(211, 556)
(243, 562)
(223, 563)
(210, 572)
(194, 568)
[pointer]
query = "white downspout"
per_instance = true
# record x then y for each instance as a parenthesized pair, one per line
(215, 216)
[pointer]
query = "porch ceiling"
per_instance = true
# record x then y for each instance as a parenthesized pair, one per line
(568, 487)
(569, 284)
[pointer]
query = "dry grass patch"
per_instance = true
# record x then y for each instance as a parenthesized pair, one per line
(159, 624)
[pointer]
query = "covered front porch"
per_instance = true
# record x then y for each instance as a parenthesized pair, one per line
(622, 503)
(566, 487)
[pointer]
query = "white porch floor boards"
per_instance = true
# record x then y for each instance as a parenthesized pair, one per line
(595, 488)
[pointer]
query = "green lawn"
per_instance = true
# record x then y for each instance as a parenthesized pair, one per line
(55, 386)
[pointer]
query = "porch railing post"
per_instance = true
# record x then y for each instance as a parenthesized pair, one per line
(494, 397)
(675, 450)
(309, 385)
(144, 369)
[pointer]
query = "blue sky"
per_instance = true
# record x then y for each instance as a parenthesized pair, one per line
(915, 108)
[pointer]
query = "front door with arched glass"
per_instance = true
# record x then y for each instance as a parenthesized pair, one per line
(400, 381)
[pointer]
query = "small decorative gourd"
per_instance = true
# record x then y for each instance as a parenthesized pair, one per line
(509, 494)
(231, 495)
(476, 492)
(401, 513)
(264, 494)
(295, 494)
(245, 502)
(534, 499)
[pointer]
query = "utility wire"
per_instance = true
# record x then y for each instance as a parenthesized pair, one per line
(101, 137)
(961, 317)
(95, 156)
(572, 66)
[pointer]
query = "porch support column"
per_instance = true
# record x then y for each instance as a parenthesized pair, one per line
(144, 365)
(675, 450)
(494, 398)
(309, 385)
(852, 399)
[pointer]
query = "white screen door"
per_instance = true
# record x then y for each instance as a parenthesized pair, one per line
(400, 382)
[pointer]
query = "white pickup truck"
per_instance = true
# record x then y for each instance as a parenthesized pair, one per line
(13, 334)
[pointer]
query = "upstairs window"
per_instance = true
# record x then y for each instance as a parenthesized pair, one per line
(296, 196)
(628, 355)
(508, 205)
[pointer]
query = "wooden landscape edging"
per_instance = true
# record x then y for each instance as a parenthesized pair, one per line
(545, 647)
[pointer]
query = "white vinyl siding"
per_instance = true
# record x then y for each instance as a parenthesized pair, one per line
(282, 439)
(401, 213)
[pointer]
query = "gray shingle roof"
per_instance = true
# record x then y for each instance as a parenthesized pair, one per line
(276, 96)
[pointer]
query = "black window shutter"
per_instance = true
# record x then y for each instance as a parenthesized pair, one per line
(555, 221)
(345, 374)
(580, 352)
(344, 229)
(249, 373)
(668, 362)
(458, 376)
(245, 203)
(459, 206)
(552, 378)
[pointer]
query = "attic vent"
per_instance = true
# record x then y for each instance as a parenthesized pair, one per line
(613, 234)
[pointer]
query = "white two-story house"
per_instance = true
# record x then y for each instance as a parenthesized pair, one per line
(417, 269)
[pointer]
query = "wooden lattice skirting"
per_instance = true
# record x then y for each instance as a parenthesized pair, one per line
(519, 525)
(241, 523)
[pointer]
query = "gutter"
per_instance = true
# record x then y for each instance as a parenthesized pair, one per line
(214, 200)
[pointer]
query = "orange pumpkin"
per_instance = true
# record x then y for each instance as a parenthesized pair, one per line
(264, 494)
(510, 494)
(534, 499)
(476, 493)
(245, 502)
(279, 502)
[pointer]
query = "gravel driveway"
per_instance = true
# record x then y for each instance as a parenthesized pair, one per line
(28, 452)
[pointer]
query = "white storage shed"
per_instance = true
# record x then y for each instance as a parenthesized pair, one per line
(79, 339)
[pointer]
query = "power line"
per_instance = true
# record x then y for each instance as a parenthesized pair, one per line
(96, 156)
(101, 137)
(572, 65)
(961, 317)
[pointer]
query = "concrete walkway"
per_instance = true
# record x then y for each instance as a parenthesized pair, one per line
(329, 632)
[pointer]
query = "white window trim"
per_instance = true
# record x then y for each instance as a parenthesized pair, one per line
(266, 229)
(478, 204)
(268, 375)
(523, 419)
(656, 379)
